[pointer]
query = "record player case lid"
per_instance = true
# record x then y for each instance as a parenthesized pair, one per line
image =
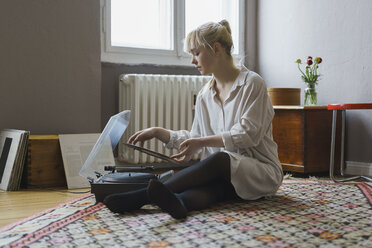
(102, 151)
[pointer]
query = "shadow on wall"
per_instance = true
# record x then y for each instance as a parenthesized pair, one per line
(110, 82)
(358, 135)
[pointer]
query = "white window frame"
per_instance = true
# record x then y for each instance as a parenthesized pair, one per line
(130, 55)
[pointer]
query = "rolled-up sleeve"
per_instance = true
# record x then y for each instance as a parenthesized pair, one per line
(177, 137)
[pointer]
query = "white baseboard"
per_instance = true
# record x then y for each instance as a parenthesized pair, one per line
(358, 168)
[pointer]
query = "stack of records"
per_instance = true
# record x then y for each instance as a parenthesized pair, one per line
(13, 150)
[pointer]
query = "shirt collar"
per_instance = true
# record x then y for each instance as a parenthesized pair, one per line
(239, 81)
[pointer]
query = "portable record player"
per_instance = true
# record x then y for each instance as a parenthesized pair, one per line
(118, 182)
(101, 160)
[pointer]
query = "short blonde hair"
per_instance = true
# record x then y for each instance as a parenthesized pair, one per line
(209, 33)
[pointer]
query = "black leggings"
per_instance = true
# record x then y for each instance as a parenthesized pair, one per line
(204, 183)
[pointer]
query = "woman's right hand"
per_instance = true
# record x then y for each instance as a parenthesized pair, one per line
(149, 133)
(142, 136)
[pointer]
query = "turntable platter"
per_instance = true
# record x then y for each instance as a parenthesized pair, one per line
(125, 177)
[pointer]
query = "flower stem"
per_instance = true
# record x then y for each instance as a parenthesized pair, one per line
(298, 65)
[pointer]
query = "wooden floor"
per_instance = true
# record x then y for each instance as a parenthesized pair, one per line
(16, 205)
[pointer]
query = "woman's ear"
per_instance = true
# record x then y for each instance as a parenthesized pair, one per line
(218, 49)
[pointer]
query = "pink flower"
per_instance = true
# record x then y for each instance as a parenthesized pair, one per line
(310, 73)
(350, 205)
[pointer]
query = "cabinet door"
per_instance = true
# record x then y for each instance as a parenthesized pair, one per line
(288, 133)
(318, 124)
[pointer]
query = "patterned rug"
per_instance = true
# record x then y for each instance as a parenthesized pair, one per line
(303, 213)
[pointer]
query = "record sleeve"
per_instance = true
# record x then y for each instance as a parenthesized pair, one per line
(152, 153)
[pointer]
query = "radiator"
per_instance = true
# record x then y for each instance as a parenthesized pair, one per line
(156, 100)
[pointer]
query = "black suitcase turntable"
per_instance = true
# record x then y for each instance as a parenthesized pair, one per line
(100, 161)
(119, 182)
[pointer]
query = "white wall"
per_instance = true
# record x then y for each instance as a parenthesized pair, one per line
(339, 31)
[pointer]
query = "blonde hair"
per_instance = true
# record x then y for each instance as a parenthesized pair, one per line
(209, 33)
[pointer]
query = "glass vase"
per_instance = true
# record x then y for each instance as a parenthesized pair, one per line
(310, 98)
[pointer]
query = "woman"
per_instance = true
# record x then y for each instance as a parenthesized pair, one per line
(232, 129)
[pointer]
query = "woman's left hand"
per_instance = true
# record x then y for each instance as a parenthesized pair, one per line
(188, 149)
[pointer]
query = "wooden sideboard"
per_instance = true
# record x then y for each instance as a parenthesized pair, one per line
(303, 135)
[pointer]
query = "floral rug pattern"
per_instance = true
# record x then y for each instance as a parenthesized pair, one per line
(304, 213)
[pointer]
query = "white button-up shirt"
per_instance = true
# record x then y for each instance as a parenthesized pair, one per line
(244, 121)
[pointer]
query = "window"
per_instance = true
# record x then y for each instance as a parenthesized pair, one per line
(195, 14)
(153, 31)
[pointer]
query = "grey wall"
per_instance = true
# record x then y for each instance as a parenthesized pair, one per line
(50, 70)
(339, 31)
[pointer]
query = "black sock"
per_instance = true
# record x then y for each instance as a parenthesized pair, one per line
(128, 201)
(160, 195)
